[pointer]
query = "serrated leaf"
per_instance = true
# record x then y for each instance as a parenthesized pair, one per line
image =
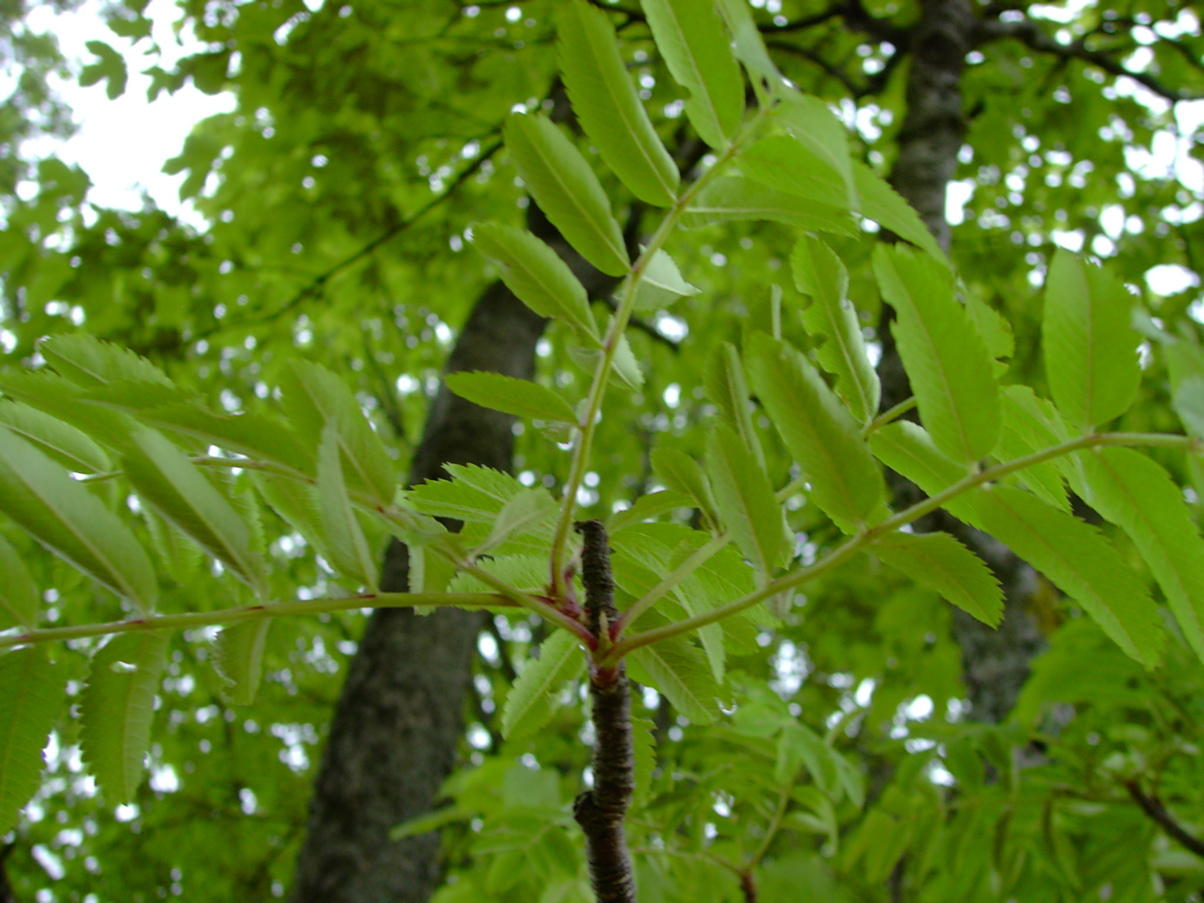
(527, 573)
(20, 601)
(643, 741)
(296, 503)
(1026, 429)
(567, 190)
(1090, 346)
(71, 522)
(1135, 493)
(831, 316)
(527, 511)
(1188, 402)
(64, 443)
(676, 668)
(907, 448)
(625, 367)
(731, 198)
(747, 506)
(681, 473)
(727, 389)
(345, 540)
(520, 397)
(168, 481)
(67, 402)
(117, 707)
(995, 330)
(819, 432)
(608, 108)
(538, 277)
(238, 659)
(313, 397)
(259, 437)
(780, 161)
(886, 207)
(1078, 560)
(941, 563)
(90, 362)
(661, 284)
(816, 128)
(531, 701)
(747, 42)
(648, 507)
(944, 356)
(30, 704)
(691, 39)
(474, 494)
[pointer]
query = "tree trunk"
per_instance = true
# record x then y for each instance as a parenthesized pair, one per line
(995, 661)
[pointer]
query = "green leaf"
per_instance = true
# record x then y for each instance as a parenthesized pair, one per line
(946, 359)
(608, 108)
(780, 161)
(519, 397)
(256, 436)
(995, 330)
(643, 737)
(20, 601)
(1134, 492)
(30, 704)
(532, 700)
(67, 402)
(1078, 560)
(537, 275)
(731, 198)
(73, 523)
(681, 473)
(748, 45)
(661, 284)
(676, 668)
(474, 494)
(90, 362)
(1027, 429)
(297, 505)
(167, 480)
(345, 540)
(728, 391)
(526, 512)
(117, 707)
(313, 397)
(747, 505)
(567, 190)
(907, 448)
(941, 563)
(238, 659)
(648, 507)
(819, 432)
(886, 207)
(831, 316)
(691, 39)
(1090, 346)
(813, 125)
(61, 441)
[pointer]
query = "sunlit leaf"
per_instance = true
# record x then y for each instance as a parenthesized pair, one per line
(531, 701)
(520, 397)
(732, 198)
(819, 432)
(117, 707)
(1090, 346)
(608, 108)
(941, 563)
(691, 38)
(527, 511)
(661, 284)
(727, 389)
(567, 190)
(747, 506)
(945, 358)
(61, 441)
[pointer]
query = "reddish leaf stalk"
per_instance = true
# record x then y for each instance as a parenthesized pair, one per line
(600, 811)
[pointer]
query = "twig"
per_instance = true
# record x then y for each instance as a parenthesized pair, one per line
(600, 811)
(1153, 807)
(1030, 34)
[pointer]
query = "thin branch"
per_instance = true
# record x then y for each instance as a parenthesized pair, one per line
(194, 619)
(1032, 36)
(1152, 806)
